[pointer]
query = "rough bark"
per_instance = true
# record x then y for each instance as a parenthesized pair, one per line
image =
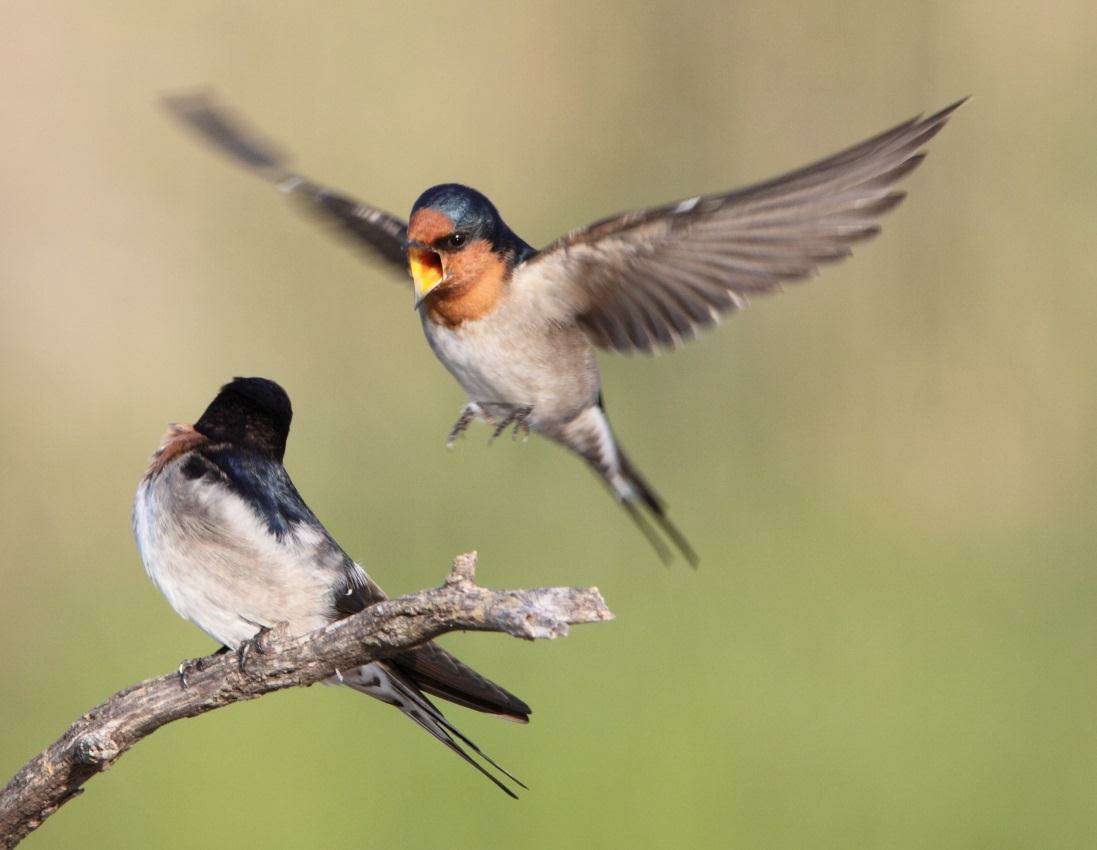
(99, 738)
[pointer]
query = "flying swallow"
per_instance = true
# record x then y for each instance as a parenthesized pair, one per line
(226, 537)
(518, 327)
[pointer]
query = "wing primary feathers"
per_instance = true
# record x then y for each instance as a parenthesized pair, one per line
(202, 114)
(631, 280)
(381, 233)
(433, 670)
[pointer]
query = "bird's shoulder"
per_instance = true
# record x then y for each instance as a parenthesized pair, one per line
(266, 488)
(259, 482)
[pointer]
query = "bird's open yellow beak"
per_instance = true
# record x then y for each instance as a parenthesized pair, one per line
(426, 271)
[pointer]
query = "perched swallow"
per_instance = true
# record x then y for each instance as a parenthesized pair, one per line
(517, 327)
(228, 540)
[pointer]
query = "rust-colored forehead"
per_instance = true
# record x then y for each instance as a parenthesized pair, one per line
(429, 224)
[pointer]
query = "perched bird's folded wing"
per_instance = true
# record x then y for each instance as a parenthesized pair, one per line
(382, 233)
(429, 667)
(270, 495)
(437, 672)
(652, 277)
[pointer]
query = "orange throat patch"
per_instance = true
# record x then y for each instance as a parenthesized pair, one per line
(477, 280)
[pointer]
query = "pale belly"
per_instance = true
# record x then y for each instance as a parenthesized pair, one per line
(551, 371)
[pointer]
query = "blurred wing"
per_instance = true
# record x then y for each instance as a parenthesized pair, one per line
(381, 233)
(652, 277)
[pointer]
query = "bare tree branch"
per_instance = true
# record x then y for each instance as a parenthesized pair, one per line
(99, 738)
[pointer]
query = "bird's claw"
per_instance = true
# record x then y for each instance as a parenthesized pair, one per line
(242, 655)
(516, 416)
(466, 418)
(261, 643)
(194, 665)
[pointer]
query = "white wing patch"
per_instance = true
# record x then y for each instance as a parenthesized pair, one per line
(687, 204)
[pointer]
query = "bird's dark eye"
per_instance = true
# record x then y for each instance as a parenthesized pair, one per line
(455, 240)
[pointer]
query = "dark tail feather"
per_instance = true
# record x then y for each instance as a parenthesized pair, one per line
(656, 508)
(443, 736)
(589, 435)
(430, 668)
(411, 701)
(449, 727)
(637, 516)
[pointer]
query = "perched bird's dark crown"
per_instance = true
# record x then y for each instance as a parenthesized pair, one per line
(475, 216)
(252, 413)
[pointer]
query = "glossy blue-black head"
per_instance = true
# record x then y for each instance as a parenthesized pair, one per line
(469, 212)
(447, 220)
(252, 413)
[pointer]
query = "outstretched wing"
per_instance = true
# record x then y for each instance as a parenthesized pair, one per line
(381, 233)
(652, 277)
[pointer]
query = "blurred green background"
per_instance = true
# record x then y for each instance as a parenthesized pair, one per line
(888, 472)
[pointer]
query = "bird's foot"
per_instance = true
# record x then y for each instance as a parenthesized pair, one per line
(190, 666)
(467, 417)
(260, 644)
(518, 416)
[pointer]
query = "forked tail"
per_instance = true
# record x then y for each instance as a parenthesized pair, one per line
(645, 495)
(386, 681)
(590, 435)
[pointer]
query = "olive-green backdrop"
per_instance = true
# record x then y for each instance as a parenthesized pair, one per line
(889, 471)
